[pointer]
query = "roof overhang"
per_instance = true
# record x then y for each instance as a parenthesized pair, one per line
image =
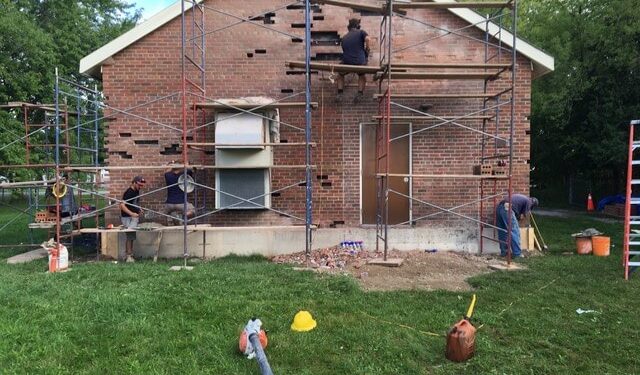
(92, 63)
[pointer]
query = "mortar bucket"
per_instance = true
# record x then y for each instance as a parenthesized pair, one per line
(583, 245)
(601, 245)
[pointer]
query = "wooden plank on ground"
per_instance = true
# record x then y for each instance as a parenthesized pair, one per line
(390, 262)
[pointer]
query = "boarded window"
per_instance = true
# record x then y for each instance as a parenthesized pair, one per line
(252, 185)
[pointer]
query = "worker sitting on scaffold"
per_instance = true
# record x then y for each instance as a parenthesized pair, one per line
(355, 51)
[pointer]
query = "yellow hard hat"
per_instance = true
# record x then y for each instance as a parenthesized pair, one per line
(303, 321)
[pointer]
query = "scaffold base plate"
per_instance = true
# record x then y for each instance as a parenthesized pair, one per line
(390, 262)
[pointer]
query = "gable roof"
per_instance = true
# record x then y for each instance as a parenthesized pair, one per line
(91, 64)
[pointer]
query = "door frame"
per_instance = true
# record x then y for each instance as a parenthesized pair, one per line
(361, 129)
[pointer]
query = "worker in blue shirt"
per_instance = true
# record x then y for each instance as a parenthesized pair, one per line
(519, 208)
(355, 51)
(174, 205)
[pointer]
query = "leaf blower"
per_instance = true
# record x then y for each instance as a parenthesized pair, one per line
(461, 339)
(252, 342)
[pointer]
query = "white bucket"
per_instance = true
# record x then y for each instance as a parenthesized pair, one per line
(58, 259)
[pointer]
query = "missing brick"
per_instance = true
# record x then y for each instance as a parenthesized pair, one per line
(300, 25)
(322, 177)
(314, 7)
(298, 72)
(302, 184)
(326, 184)
(146, 141)
(260, 51)
(527, 132)
(286, 91)
(275, 194)
(125, 135)
(338, 222)
(327, 57)
(173, 150)
(249, 54)
(296, 40)
(325, 38)
(318, 18)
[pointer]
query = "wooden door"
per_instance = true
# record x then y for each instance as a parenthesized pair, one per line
(400, 160)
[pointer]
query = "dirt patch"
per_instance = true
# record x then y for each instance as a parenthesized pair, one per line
(426, 271)
(420, 270)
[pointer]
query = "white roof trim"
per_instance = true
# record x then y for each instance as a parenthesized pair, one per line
(543, 63)
(90, 64)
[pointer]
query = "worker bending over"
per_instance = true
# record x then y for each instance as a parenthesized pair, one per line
(355, 51)
(519, 208)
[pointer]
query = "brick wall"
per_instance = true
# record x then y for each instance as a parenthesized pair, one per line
(150, 69)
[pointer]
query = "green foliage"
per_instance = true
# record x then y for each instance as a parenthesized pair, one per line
(36, 37)
(581, 111)
(142, 318)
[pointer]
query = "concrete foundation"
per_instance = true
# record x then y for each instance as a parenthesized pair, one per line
(269, 241)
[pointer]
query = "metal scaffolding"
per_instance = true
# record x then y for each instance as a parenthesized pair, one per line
(490, 110)
(197, 103)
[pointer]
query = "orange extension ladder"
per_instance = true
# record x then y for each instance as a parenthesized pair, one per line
(631, 247)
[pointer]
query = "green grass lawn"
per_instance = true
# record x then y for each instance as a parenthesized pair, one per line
(105, 318)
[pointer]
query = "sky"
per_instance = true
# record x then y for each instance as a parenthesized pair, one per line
(151, 7)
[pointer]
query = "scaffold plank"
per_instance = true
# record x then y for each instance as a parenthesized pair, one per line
(213, 144)
(338, 68)
(359, 6)
(430, 75)
(163, 167)
(469, 176)
(439, 96)
(448, 118)
(250, 106)
(454, 4)
(452, 65)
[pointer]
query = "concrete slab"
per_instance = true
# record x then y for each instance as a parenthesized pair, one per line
(28, 256)
(506, 267)
(390, 262)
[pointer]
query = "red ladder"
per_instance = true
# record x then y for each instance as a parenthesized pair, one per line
(631, 239)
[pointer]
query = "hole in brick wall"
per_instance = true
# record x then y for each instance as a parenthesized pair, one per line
(322, 177)
(314, 7)
(286, 91)
(302, 184)
(296, 40)
(325, 38)
(189, 138)
(527, 132)
(122, 154)
(284, 141)
(327, 57)
(257, 18)
(249, 54)
(367, 13)
(146, 141)
(173, 150)
(275, 194)
(300, 25)
(318, 18)
(125, 135)
(338, 222)
(261, 51)
(326, 184)
(528, 161)
(299, 72)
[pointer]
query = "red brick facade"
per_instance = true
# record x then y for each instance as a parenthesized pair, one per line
(150, 69)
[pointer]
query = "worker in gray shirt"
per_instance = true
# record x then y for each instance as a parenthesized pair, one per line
(519, 208)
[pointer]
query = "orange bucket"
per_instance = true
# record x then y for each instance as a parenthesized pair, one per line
(583, 245)
(601, 245)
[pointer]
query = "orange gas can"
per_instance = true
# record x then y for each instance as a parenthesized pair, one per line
(461, 339)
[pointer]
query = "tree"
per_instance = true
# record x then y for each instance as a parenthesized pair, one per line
(38, 36)
(581, 111)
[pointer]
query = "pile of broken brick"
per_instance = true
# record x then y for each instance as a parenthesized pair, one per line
(332, 258)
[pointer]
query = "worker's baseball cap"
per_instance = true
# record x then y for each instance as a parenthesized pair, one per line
(139, 180)
(534, 202)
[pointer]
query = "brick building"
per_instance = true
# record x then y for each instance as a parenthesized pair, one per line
(245, 60)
